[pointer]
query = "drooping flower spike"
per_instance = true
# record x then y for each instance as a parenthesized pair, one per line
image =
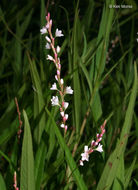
(59, 84)
(95, 146)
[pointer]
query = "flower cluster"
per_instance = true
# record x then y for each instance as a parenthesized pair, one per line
(95, 146)
(59, 84)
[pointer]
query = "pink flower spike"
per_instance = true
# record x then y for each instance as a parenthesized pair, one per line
(48, 39)
(43, 30)
(58, 33)
(99, 148)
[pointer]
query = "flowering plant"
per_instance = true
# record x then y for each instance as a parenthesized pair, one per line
(59, 86)
(62, 91)
(95, 145)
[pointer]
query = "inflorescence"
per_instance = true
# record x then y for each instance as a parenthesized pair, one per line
(59, 84)
(95, 145)
(62, 90)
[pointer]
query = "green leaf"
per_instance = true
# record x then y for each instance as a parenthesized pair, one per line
(68, 155)
(2, 183)
(27, 180)
(38, 101)
(119, 180)
(39, 164)
(129, 173)
(76, 81)
(109, 172)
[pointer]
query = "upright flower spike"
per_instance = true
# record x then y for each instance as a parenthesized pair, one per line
(95, 146)
(60, 88)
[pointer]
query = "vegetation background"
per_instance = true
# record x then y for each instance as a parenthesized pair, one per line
(99, 60)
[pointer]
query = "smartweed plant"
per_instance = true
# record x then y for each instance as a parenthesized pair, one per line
(73, 124)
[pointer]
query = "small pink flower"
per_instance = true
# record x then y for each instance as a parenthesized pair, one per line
(93, 143)
(66, 127)
(48, 17)
(65, 117)
(58, 72)
(58, 49)
(48, 46)
(81, 163)
(56, 77)
(66, 104)
(58, 33)
(85, 155)
(62, 125)
(43, 30)
(49, 57)
(54, 87)
(68, 90)
(48, 39)
(62, 113)
(99, 148)
(55, 101)
(62, 81)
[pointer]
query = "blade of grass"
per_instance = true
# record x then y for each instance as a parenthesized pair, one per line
(39, 164)
(38, 100)
(76, 81)
(69, 158)
(27, 180)
(129, 173)
(2, 183)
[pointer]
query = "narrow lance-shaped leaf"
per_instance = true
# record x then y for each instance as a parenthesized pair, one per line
(27, 181)
(69, 158)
